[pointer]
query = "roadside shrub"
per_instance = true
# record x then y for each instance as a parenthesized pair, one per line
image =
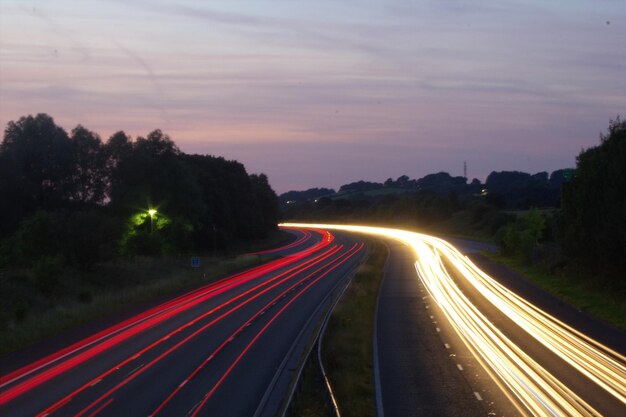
(521, 237)
(90, 238)
(47, 271)
(40, 235)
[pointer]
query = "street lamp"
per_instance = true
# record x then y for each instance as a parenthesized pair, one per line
(152, 213)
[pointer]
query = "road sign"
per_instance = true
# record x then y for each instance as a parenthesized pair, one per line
(195, 262)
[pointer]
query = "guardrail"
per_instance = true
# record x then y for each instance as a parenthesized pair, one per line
(331, 402)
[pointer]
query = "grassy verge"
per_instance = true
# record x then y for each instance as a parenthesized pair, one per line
(580, 292)
(110, 288)
(311, 398)
(347, 348)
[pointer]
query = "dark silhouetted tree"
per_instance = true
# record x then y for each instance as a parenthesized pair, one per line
(36, 169)
(89, 171)
(594, 206)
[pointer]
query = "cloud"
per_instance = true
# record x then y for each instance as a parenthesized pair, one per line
(350, 89)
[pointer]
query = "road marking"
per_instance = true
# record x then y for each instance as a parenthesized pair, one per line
(193, 408)
(458, 365)
(134, 370)
(95, 382)
(432, 317)
(478, 396)
(446, 345)
(438, 329)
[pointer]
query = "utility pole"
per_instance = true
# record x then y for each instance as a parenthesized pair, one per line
(465, 169)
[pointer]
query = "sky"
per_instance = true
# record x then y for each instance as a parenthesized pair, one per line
(323, 93)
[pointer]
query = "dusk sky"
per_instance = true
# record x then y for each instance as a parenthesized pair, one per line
(322, 93)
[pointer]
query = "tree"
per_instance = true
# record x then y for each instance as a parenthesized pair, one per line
(89, 170)
(152, 174)
(266, 203)
(36, 169)
(594, 206)
(521, 237)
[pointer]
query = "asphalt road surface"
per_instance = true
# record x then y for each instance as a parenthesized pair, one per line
(419, 378)
(453, 341)
(221, 350)
(419, 354)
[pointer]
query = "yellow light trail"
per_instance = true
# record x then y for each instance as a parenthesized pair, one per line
(533, 389)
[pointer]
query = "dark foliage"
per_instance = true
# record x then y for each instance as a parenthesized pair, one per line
(519, 190)
(594, 207)
(310, 194)
(359, 186)
(72, 200)
(36, 169)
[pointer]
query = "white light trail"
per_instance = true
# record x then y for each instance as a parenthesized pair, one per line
(533, 389)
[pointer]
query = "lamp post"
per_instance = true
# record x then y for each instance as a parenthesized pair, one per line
(152, 213)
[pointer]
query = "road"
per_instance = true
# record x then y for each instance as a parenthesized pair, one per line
(226, 349)
(452, 341)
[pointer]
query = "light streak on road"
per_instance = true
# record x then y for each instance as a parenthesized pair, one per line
(247, 296)
(275, 282)
(533, 389)
(336, 263)
(25, 379)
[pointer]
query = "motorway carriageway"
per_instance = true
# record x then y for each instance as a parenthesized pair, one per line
(543, 365)
(220, 350)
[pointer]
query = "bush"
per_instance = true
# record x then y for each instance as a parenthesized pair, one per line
(47, 271)
(520, 238)
(42, 234)
(90, 237)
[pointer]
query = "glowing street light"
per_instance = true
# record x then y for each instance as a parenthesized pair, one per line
(152, 213)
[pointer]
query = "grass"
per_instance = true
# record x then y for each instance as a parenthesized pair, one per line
(310, 399)
(580, 292)
(347, 348)
(30, 315)
(347, 345)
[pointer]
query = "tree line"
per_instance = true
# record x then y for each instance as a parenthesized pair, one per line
(572, 221)
(511, 190)
(80, 199)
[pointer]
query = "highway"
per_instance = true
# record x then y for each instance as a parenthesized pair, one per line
(225, 349)
(511, 357)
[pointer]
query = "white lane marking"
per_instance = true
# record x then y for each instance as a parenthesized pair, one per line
(478, 396)
(438, 329)
(458, 365)
(134, 370)
(446, 345)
